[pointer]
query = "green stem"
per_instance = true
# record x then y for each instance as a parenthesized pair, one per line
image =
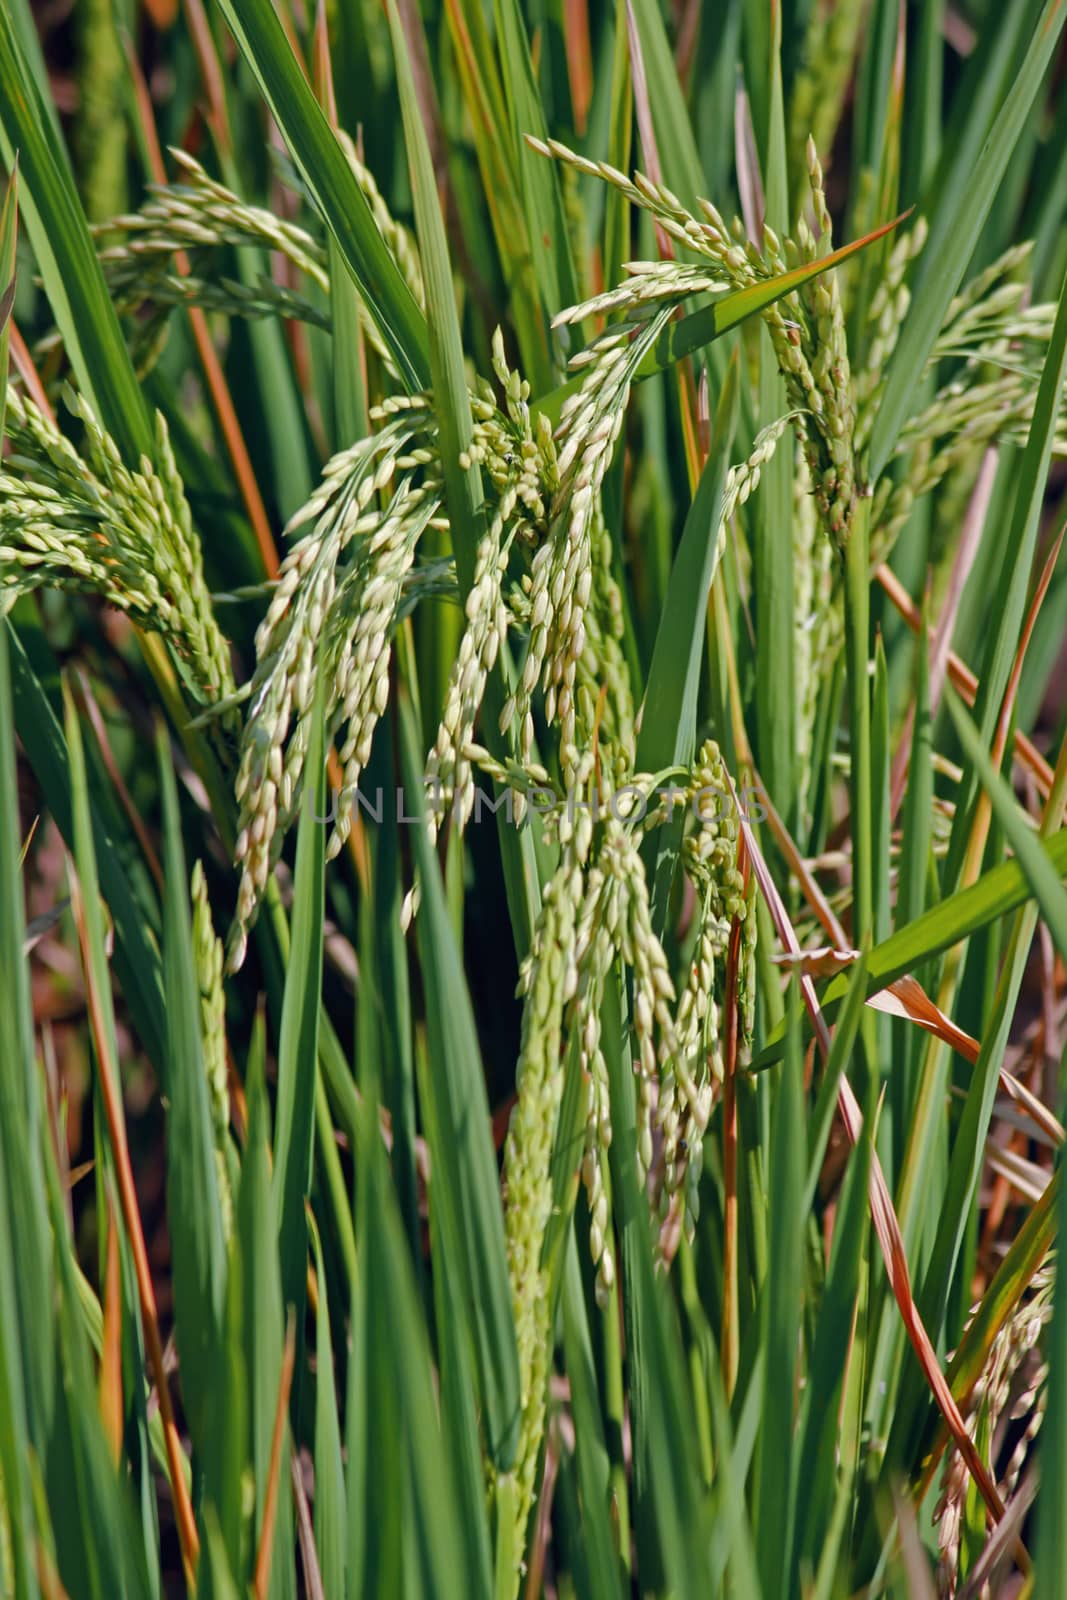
(332, 1079)
(857, 629)
(615, 1400)
(334, 1178)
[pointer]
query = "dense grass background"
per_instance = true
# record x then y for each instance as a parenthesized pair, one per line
(581, 1231)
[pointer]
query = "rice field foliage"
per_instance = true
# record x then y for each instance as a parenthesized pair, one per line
(533, 927)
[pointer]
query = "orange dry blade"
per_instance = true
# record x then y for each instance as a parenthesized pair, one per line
(110, 1382)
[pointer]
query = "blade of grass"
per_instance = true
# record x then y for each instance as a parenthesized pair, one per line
(346, 348)
(402, 1521)
(775, 1480)
(463, 486)
(128, 1330)
(298, 1040)
(733, 1533)
(676, 1533)
(817, 1424)
(214, 377)
(8, 244)
(330, 1510)
(26, 1334)
(857, 628)
(616, 232)
(590, 1449)
(384, 1053)
(216, 1580)
(227, 1465)
(263, 1325)
(945, 1225)
(1044, 880)
(459, 1420)
(682, 168)
(875, 149)
(822, 1113)
(483, 93)
(193, 1205)
(136, 957)
(260, 36)
(265, 1549)
(65, 255)
(108, 1078)
(776, 695)
(464, 1164)
(542, 200)
(963, 679)
(99, 1553)
(112, 1155)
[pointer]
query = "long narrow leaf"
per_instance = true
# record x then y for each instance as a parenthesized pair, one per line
(316, 151)
(464, 1165)
(298, 1042)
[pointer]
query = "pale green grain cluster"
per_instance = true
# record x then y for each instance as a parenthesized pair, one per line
(561, 575)
(834, 408)
(994, 340)
(690, 1080)
(597, 946)
(549, 982)
(825, 350)
(885, 317)
(807, 328)
(88, 523)
(200, 216)
(604, 689)
(743, 479)
(336, 617)
(709, 851)
(338, 599)
(653, 993)
(197, 214)
(689, 1083)
(517, 458)
(614, 923)
(486, 626)
(988, 403)
(678, 1065)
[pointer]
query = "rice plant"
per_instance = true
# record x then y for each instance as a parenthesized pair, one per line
(533, 948)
